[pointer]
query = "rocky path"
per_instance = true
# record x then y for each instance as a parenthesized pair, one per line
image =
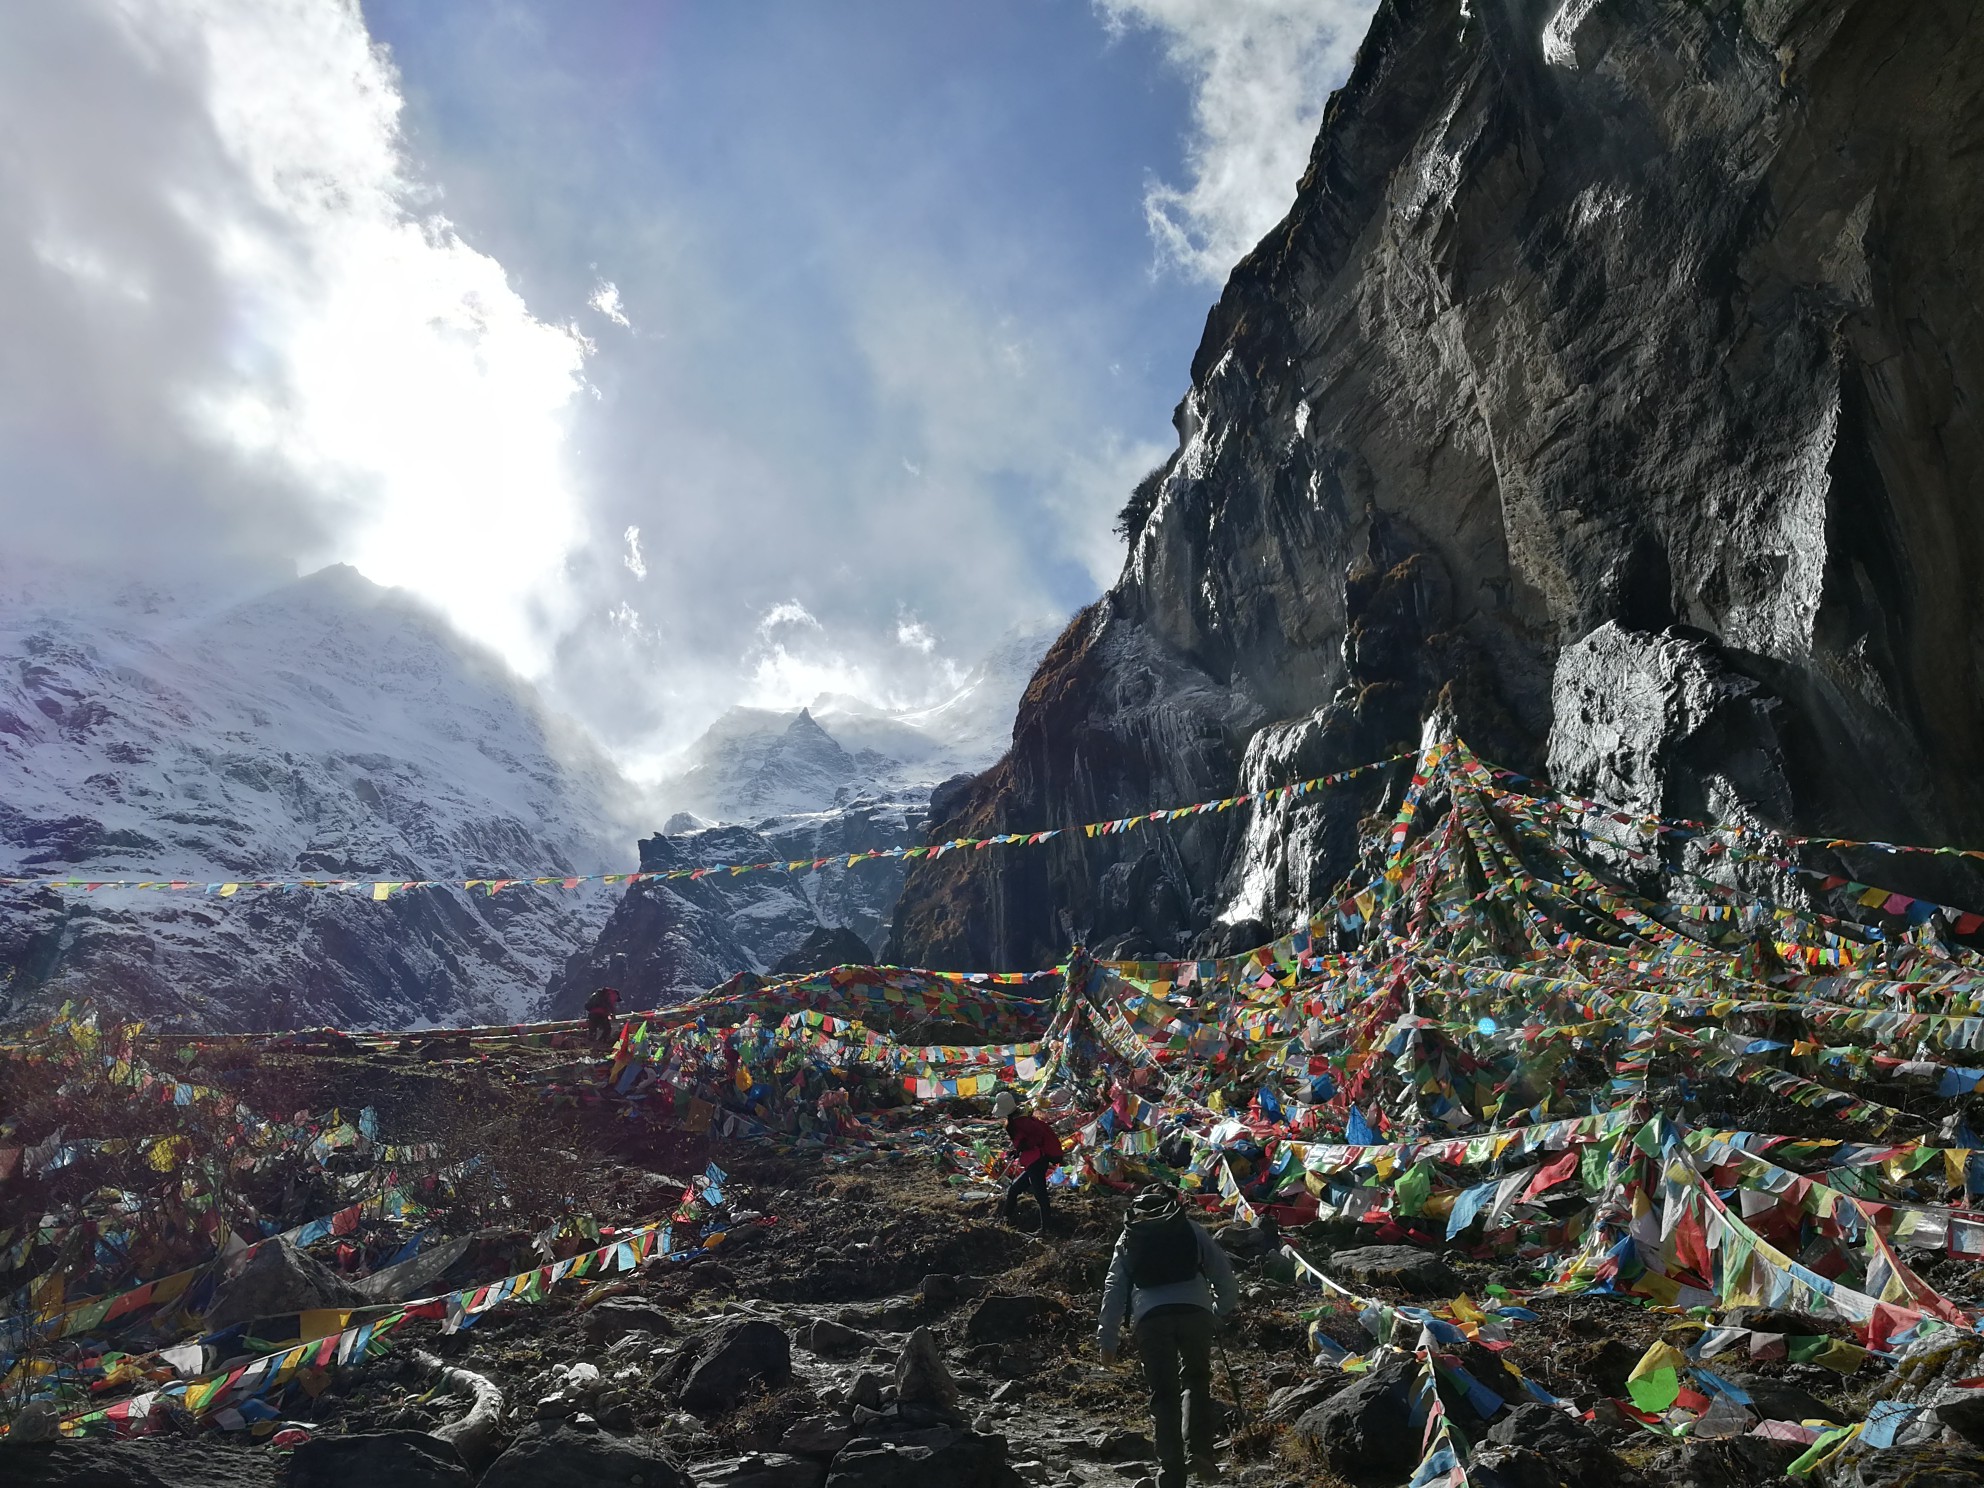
(889, 1330)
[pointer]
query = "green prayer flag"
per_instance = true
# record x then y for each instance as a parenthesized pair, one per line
(1656, 1393)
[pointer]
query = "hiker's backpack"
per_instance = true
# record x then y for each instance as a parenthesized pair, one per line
(1164, 1252)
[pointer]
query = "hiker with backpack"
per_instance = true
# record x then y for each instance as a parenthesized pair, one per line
(1036, 1147)
(1173, 1281)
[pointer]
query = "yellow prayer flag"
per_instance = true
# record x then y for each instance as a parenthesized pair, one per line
(321, 1323)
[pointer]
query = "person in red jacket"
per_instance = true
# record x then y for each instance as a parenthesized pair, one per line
(600, 1008)
(1036, 1145)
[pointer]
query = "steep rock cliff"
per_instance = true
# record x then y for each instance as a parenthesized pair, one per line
(1614, 376)
(669, 938)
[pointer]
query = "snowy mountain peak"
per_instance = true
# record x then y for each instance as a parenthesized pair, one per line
(327, 727)
(755, 763)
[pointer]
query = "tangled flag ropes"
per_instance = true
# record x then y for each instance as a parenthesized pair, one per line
(1590, 1044)
(387, 888)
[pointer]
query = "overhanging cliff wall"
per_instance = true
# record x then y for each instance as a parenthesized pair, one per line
(1615, 376)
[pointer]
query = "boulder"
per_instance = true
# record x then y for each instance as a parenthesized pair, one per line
(1417, 1273)
(386, 1459)
(732, 1358)
(761, 1470)
(825, 1336)
(1777, 1400)
(1567, 1450)
(1515, 1467)
(1929, 1466)
(953, 1457)
(921, 1378)
(1738, 1462)
(150, 1463)
(616, 1317)
(1250, 1241)
(1122, 1445)
(815, 1436)
(866, 1391)
(557, 1456)
(37, 1421)
(1002, 1318)
(1962, 1411)
(277, 1279)
(1366, 1428)
(1291, 1401)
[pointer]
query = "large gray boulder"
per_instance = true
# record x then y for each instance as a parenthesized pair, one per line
(921, 1378)
(761, 1470)
(151, 1463)
(951, 1457)
(1931, 1465)
(732, 1358)
(386, 1459)
(558, 1456)
(616, 1317)
(277, 1279)
(1544, 1447)
(1399, 1268)
(1003, 1317)
(1366, 1428)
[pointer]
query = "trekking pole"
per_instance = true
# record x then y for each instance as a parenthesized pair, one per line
(1233, 1388)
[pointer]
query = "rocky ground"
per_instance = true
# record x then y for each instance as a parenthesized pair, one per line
(883, 1326)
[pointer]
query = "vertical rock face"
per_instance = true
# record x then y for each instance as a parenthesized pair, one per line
(669, 938)
(1615, 375)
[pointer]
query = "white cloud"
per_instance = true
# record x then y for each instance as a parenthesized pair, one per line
(606, 300)
(788, 612)
(1261, 71)
(782, 678)
(913, 633)
(330, 347)
(636, 564)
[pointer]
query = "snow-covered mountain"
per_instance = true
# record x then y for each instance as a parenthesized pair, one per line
(838, 777)
(754, 764)
(327, 728)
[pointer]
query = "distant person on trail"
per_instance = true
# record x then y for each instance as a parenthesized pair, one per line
(600, 1008)
(1037, 1148)
(1172, 1280)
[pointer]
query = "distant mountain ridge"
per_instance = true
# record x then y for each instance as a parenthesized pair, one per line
(754, 764)
(332, 728)
(328, 727)
(838, 777)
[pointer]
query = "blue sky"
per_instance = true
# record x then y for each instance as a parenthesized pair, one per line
(687, 353)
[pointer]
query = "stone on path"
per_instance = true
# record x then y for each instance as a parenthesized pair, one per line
(556, 1456)
(1002, 1318)
(730, 1360)
(385, 1459)
(1419, 1273)
(921, 1378)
